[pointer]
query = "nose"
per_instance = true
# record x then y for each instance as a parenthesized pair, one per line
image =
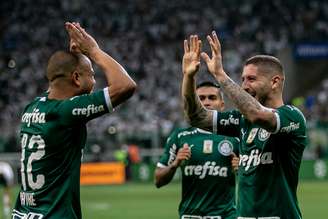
(245, 86)
(206, 102)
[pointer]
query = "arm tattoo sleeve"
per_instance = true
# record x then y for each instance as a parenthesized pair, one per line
(246, 104)
(196, 114)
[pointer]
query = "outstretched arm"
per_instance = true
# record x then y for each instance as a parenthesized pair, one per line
(247, 105)
(120, 84)
(196, 114)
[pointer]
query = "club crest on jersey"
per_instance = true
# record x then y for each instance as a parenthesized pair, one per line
(252, 135)
(263, 134)
(208, 146)
(225, 147)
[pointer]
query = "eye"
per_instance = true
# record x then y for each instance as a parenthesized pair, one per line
(202, 97)
(212, 97)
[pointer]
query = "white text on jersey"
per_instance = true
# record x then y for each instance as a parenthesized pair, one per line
(255, 159)
(27, 199)
(87, 111)
(209, 168)
(34, 117)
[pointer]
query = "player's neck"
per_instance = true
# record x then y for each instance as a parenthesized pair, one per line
(60, 94)
(274, 102)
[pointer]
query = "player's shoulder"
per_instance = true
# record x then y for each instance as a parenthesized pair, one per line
(292, 111)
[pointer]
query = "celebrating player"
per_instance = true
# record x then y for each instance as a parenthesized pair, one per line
(208, 182)
(53, 127)
(272, 134)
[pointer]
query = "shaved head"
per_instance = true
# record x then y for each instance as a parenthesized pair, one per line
(62, 64)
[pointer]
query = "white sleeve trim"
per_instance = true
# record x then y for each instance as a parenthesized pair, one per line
(108, 101)
(278, 123)
(160, 165)
(215, 121)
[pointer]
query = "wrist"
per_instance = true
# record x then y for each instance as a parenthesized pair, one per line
(94, 52)
(220, 76)
(174, 166)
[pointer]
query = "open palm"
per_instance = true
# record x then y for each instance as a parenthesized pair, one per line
(214, 64)
(191, 57)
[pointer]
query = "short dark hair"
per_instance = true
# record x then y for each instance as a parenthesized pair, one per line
(266, 63)
(210, 84)
(207, 84)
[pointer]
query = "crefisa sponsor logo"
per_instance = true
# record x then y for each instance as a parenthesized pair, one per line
(87, 111)
(255, 158)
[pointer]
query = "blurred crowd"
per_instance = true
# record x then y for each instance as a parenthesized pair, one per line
(146, 37)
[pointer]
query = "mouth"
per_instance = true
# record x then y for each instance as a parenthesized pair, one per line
(253, 94)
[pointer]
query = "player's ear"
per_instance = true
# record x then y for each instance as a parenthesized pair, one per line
(76, 78)
(276, 81)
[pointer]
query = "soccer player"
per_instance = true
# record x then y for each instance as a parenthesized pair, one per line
(272, 134)
(53, 127)
(7, 180)
(208, 182)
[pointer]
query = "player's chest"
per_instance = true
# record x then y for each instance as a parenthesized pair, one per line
(255, 138)
(205, 149)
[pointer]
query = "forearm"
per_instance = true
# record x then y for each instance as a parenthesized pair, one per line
(120, 84)
(164, 175)
(246, 104)
(196, 114)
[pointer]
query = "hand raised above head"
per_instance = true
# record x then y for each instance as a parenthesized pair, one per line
(191, 57)
(214, 64)
(80, 40)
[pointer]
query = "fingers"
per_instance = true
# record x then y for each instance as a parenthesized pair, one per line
(216, 41)
(233, 155)
(212, 45)
(72, 30)
(186, 47)
(205, 57)
(199, 47)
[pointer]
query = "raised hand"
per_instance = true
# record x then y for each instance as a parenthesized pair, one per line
(184, 153)
(191, 57)
(80, 40)
(214, 64)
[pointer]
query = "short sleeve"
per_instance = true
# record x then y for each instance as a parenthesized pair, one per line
(290, 120)
(227, 123)
(170, 150)
(83, 108)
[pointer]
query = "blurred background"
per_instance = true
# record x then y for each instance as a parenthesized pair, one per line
(146, 37)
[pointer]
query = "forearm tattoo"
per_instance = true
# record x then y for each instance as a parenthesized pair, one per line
(246, 104)
(196, 114)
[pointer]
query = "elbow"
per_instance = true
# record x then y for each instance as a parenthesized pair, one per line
(157, 182)
(128, 90)
(255, 117)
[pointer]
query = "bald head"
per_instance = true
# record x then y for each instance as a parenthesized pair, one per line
(62, 64)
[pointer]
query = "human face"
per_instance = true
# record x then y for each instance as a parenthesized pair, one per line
(255, 83)
(209, 97)
(87, 75)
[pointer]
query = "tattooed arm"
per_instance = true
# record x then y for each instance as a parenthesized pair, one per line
(247, 105)
(196, 114)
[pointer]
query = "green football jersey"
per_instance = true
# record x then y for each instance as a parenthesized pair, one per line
(53, 135)
(208, 183)
(269, 162)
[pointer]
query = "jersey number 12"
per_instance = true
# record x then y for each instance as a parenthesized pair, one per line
(37, 181)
